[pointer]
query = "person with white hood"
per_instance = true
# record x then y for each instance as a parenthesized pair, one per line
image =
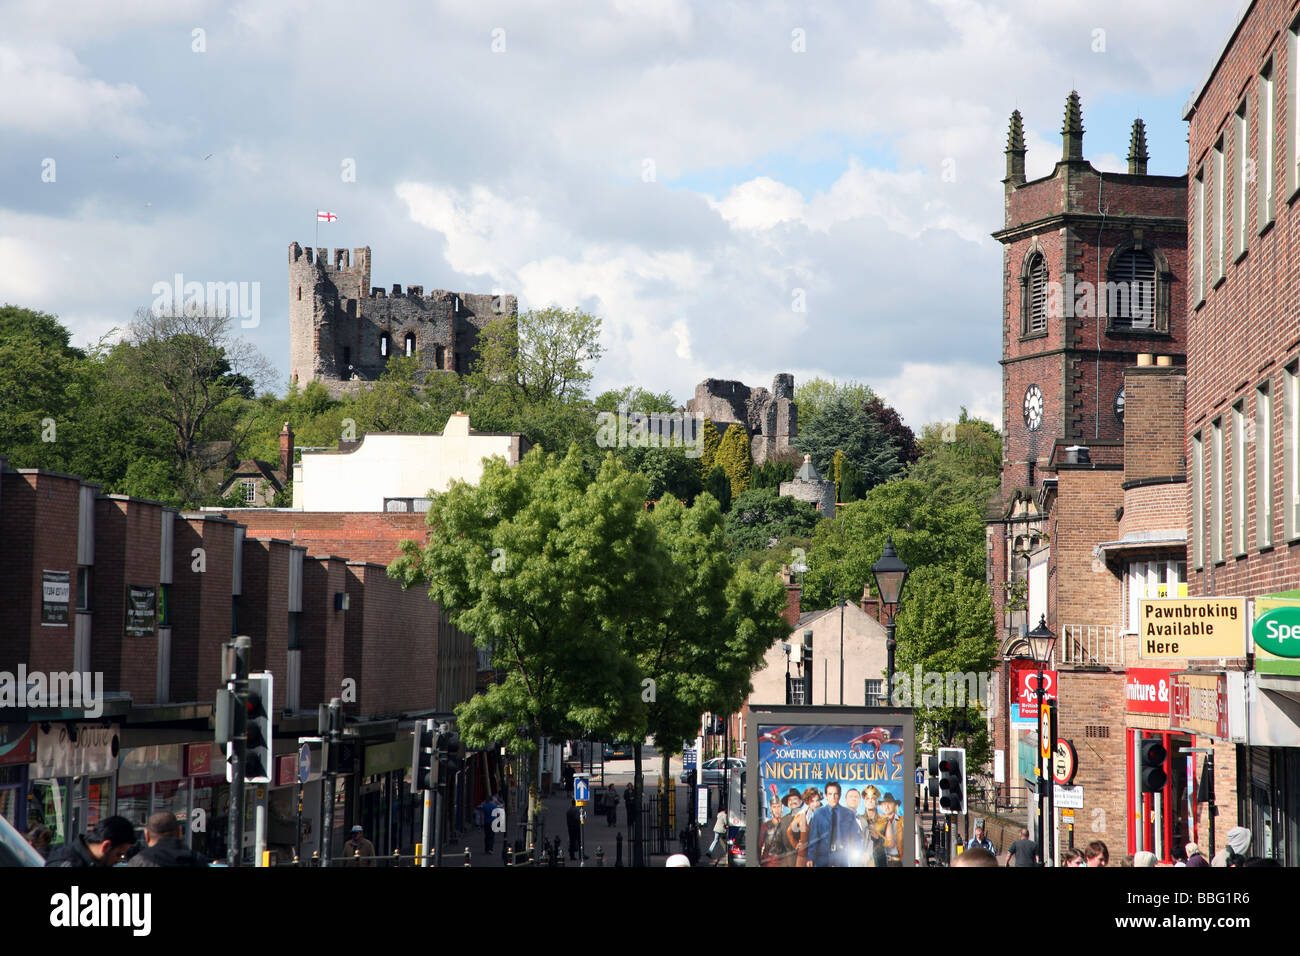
(1235, 852)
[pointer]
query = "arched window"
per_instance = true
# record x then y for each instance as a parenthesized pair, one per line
(438, 356)
(410, 343)
(1131, 294)
(1034, 296)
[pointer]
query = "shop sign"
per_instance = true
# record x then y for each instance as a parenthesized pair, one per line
(198, 760)
(1024, 691)
(17, 744)
(1146, 690)
(56, 595)
(1192, 627)
(141, 610)
(1276, 634)
(58, 755)
(1198, 704)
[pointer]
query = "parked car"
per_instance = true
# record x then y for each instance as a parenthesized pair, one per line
(621, 751)
(713, 771)
(14, 849)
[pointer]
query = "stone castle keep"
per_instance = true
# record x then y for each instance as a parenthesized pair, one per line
(343, 331)
(770, 418)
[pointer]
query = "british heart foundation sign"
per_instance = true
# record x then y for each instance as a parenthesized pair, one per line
(1192, 627)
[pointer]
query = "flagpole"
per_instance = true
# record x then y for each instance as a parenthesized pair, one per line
(316, 244)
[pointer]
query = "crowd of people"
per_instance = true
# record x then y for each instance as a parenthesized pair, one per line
(1024, 851)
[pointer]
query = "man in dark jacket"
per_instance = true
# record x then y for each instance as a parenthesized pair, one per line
(166, 848)
(105, 845)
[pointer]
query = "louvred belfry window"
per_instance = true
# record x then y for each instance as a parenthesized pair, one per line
(1036, 296)
(1131, 291)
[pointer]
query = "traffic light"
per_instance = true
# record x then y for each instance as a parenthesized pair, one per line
(257, 761)
(1151, 770)
(952, 779)
(449, 755)
(933, 780)
(424, 773)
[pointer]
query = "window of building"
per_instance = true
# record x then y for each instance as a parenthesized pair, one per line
(347, 358)
(1292, 107)
(1241, 192)
(1152, 579)
(1198, 501)
(1131, 290)
(1263, 467)
(438, 356)
(1220, 210)
(83, 589)
(164, 605)
(1216, 491)
(1265, 160)
(410, 343)
(875, 693)
(1239, 478)
(384, 344)
(1290, 449)
(250, 492)
(299, 293)
(1198, 235)
(1035, 296)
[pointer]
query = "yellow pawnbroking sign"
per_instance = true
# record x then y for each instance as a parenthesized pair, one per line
(1192, 627)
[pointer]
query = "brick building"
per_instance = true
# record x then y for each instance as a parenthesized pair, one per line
(1093, 349)
(1243, 394)
(125, 606)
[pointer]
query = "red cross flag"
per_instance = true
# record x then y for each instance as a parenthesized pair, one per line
(323, 216)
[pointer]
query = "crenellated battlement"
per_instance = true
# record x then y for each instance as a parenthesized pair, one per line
(326, 259)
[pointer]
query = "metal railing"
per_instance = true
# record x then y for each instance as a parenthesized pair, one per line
(1090, 644)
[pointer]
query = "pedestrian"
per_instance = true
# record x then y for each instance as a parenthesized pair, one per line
(166, 848)
(358, 851)
(568, 778)
(976, 856)
(1195, 857)
(1144, 858)
(573, 819)
(1234, 853)
(718, 848)
(489, 810)
(678, 860)
(629, 803)
(1096, 854)
(105, 845)
(980, 839)
(1023, 851)
(611, 806)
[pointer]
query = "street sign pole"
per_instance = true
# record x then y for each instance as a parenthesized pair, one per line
(426, 824)
(242, 649)
(581, 794)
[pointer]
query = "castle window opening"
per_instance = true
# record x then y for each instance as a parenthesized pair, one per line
(438, 356)
(383, 345)
(299, 293)
(347, 357)
(410, 343)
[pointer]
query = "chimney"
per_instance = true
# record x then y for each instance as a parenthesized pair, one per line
(870, 603)
(791, 612)
(286, 453)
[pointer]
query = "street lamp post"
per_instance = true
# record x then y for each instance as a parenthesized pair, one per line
(890, 574)
(1041, 643)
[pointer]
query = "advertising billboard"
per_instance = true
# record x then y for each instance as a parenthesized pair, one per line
(831, 787)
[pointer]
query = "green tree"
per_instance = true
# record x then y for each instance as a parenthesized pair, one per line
(669, 472)
(718, 484)
(961, 460)
(945, 626)
(842, 425)
(891, 424)
(925, 532)
(545, 354)
(633, 398)
(733, 458)
(37, 364)
(709, 445)
(816, 393)
(760, 515)
(545, 566)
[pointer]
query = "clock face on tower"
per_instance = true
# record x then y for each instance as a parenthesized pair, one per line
(1033, 407)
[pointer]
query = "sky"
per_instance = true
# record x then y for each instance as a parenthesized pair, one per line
(737, 189)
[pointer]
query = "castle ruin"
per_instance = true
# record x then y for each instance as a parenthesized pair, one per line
(343, 332)
(770, 418)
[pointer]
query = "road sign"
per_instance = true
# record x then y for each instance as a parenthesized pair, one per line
(1065, 763)
(1069, 798)
(688, 758)
(304, 763)
(920, 777)
(1045, 731)
(581, 789)
(702, 805)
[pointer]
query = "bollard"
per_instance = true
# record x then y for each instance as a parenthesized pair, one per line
(315, 858)
(397, 859)
(600, 855)
(467, 857)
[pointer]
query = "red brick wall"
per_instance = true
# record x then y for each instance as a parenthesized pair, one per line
(128, 545)
(1153, 421)
(322, 630)
(1087, 592)
(391, 643)
(359, 536)
(202, 556)
(1091, 704)
(1224, 363)
(264, 607)
(38, 525)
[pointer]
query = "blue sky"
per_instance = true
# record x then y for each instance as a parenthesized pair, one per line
(737, 189)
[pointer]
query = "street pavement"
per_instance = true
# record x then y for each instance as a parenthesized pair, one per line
(597, 833)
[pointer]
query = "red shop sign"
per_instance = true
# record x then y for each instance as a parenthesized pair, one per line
(1146, 690)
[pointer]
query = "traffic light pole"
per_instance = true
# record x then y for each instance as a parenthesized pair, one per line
(242, 648)
(333, 717)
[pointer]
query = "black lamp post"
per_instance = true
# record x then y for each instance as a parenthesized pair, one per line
(890, 574)
(1041, 642)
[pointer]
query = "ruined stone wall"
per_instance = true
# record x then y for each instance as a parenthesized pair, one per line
(770, 418)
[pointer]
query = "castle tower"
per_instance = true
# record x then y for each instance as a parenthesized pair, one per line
(343, 331)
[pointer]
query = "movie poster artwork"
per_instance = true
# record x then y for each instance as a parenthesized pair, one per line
(831, 795)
